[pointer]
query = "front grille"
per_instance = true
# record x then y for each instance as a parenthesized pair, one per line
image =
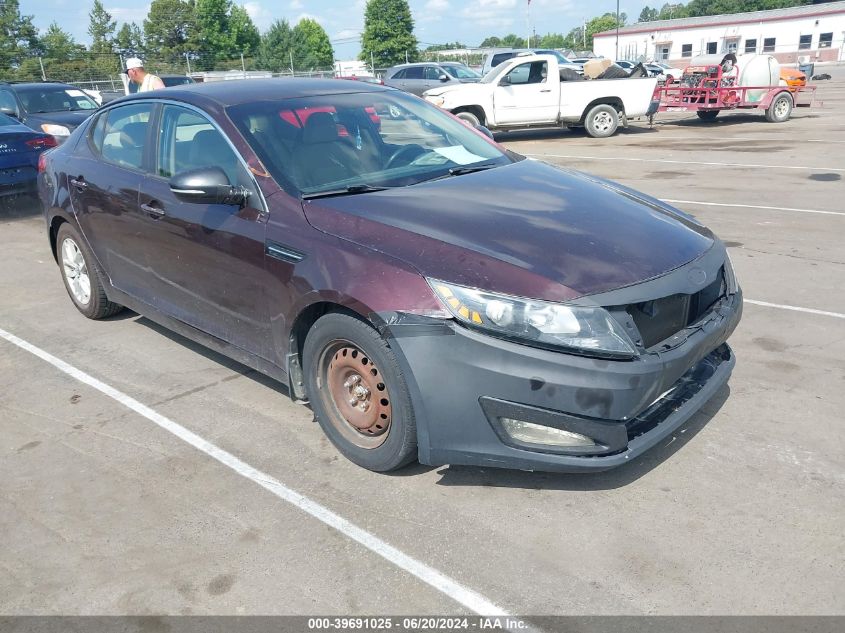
(659, 319)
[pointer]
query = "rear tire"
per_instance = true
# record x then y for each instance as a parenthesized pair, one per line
(780, 109)
(358, 393)
(82, 277)
(469, 118)
(601, 121)
(707, 115)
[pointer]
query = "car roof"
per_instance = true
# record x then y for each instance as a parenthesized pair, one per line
(34, 85)
(235, 92)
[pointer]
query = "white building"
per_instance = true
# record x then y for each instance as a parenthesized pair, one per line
(816, 32)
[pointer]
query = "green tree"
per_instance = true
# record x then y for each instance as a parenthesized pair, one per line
(18, 37)
(129, 40)
(552, 40)
(606, 22)
(167, 28)
(212, 37)
(101, 28)
(244, 32)
(388, 36)
(275, 48)
(59, 45)
(311, 46)
(513, 40)
(648, 14)
(491, 42)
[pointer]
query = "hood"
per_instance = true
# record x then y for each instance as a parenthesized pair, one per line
(526, 229)
(71, 120)
(467, 86)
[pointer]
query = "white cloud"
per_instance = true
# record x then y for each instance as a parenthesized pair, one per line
(129, 14)
(295, 5)
(261, 17)
(303, 16)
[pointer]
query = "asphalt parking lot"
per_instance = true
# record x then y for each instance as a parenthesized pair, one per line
(740, 512)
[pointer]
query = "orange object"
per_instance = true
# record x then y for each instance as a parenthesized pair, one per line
(793, 78)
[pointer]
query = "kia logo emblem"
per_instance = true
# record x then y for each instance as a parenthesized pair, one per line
(697, 276)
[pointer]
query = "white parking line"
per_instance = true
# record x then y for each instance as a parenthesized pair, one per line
(686, 162)
(780, 306)
(751, 206)
(442, 583)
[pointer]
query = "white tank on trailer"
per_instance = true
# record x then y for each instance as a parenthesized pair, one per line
(757, 70)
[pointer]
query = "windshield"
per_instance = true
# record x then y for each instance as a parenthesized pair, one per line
(461, 72)
(55, 99)
(374, 139)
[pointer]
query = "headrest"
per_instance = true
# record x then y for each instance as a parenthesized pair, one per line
(320, 128)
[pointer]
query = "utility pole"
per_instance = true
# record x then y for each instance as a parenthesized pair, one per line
(291, 64)
(617, 29)
(43, 74)
(188, 62)
(243, 66)
(373, 62)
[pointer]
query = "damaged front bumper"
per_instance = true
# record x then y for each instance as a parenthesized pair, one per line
(467, 389)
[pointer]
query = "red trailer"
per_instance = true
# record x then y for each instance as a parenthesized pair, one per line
(708, 88)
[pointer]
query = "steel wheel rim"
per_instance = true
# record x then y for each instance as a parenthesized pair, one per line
(356, 397)
(602, 121)
(781, 108)
(76, 271)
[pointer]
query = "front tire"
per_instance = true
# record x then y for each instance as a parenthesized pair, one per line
(780, 109)
(601, 121)
(358, 393)
(82, 277)
(469, 118)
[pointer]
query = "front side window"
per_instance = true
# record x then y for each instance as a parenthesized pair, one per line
(686, 50)
(189, 141)
(380, 139)
(124, 135)
(769, 45)
(531, 73)
(461, 72)
(432, 73)
(805, 42)
(825, 40)
(751, 46)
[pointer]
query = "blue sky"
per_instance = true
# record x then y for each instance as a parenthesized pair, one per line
(436, 21)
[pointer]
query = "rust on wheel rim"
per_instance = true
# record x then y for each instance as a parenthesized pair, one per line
(355, 387)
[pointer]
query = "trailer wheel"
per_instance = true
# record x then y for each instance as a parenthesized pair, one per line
(780, 109)
(601, 121)
(707, 115)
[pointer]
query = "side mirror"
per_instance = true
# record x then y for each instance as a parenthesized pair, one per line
(207, 185)
(9, 112)
(443, 77)
(505, 81)
(485, 131)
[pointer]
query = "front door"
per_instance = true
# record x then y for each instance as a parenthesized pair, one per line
(207, 269)
(527, 95)
(111, 163)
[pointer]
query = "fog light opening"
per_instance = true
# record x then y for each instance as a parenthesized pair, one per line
(531, 433)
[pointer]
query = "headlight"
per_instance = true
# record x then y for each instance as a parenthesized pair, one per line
(436, 100)
(55, 130)
(580, 328)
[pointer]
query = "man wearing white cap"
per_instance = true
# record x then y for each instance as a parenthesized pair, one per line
(146, 81)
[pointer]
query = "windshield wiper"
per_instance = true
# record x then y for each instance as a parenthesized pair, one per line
(460, 171)
(346, 191)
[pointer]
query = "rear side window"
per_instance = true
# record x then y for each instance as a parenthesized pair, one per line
(415, 72)
(124, 136)
(498, 58)
(98, 132)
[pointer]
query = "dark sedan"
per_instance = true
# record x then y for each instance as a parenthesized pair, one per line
(20, 148)
(431, 294)
(54, 108)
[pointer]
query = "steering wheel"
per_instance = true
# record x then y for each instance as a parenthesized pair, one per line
(402, 151)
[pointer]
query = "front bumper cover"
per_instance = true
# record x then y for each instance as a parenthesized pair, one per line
(462, 381)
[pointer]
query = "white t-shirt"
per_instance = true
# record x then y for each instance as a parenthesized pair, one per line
(147, 83)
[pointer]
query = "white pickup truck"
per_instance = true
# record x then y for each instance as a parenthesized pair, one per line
(527, 92)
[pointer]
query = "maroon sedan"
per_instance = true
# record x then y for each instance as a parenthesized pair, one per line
(432, 295)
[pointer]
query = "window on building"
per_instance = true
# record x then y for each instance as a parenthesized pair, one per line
(686, 50)
(731, 46)
(825, 40)
(663, 52)
(805, 42)
(712, 47)
(751, 46)
(769, 45)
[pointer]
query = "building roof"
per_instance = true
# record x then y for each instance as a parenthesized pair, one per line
(804, 11)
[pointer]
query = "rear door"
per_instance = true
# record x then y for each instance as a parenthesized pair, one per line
(108, 169)
(415, 80)
(526, 94)
(207, 267)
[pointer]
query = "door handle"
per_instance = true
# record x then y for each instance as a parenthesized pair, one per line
(155, 211)
(79, 183)
(547, 90)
